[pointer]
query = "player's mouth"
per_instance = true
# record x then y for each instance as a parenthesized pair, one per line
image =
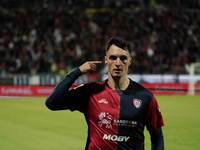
(117, 70)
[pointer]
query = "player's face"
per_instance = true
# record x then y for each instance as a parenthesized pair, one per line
(118, 61)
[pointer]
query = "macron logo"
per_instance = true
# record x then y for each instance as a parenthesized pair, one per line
(103, 101)
(116, 138)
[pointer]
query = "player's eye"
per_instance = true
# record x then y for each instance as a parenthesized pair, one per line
(123, 58)
(113, 57)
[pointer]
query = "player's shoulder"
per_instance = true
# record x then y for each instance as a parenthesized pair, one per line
(138, 85)
(100, 85)
(92, 84)
(140, 89)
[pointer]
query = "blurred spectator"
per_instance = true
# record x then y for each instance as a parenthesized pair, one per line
(50, 36)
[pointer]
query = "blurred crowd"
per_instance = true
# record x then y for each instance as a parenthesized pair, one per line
(54, 37)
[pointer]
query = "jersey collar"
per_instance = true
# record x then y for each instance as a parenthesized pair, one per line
(121, 90)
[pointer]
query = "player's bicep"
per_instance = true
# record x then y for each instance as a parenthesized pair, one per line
(154, 118)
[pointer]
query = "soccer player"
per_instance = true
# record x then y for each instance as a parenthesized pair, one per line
(117, 109)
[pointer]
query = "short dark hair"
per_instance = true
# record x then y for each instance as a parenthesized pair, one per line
(125, 45)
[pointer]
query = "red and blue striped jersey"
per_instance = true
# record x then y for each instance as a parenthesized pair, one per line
(115, 118)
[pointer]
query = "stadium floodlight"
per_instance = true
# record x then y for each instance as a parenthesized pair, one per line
(194, 70)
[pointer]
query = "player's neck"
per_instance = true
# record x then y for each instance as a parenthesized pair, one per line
(119, 83)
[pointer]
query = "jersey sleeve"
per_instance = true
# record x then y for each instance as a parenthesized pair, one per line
(154, 119)
(62, 98)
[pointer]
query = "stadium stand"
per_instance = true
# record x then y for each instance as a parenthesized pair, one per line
(50, 37)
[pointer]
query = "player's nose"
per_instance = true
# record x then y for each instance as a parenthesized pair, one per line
(118, 61)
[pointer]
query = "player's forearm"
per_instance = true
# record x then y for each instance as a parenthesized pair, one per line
(56, 100)
(157, 140)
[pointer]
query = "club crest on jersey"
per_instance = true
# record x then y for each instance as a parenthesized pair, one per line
(137, 103)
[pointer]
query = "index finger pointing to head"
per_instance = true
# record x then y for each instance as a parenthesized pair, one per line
(96, 62)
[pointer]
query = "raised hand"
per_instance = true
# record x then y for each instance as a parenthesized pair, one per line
(89, 66)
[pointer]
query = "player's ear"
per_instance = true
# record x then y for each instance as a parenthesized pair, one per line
(130, 60)
(105, 59)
